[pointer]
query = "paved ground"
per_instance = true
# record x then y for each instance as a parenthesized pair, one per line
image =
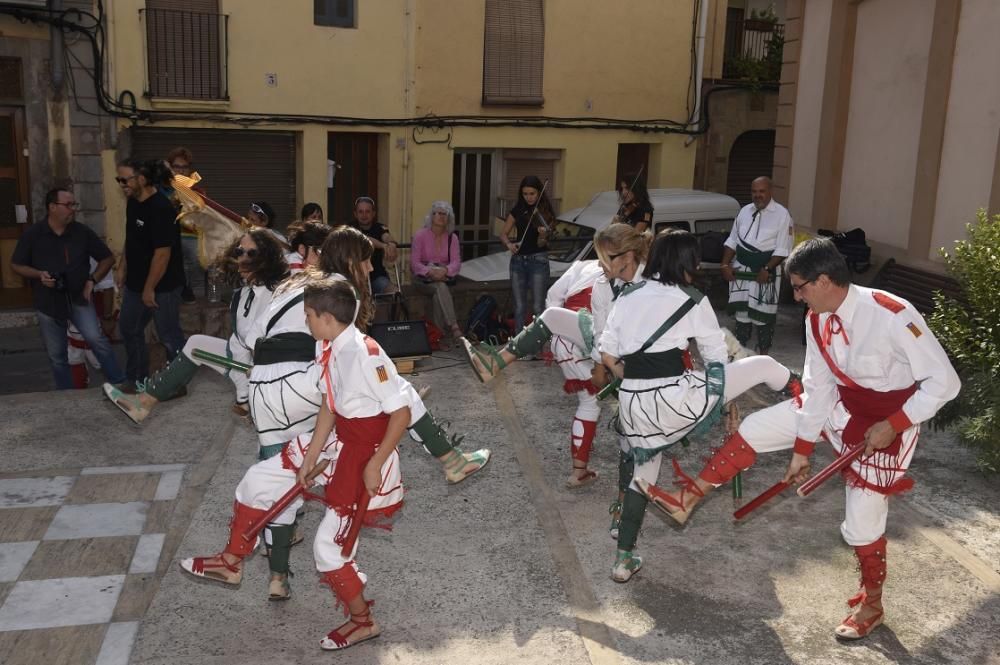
(505, 568)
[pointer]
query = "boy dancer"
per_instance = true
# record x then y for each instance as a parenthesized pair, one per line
(367, 401)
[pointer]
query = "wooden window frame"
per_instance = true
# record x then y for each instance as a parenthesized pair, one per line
(514, 53)
(328, 16)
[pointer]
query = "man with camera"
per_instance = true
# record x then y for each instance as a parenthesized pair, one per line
(55, 255)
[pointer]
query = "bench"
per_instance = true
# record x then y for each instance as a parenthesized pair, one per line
(916, 285)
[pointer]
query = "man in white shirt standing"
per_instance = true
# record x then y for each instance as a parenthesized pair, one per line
(761, 238)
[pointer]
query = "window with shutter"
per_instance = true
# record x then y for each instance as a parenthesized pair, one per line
(186, 49)
(335, 13)
(519, 163)
(513, 53)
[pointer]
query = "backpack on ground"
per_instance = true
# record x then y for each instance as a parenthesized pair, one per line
(483, 323)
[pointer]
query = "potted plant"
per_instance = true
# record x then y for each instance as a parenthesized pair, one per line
(761, 20)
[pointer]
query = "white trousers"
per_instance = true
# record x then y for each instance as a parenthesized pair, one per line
(774, 428)
(266, 482)
(219, 347)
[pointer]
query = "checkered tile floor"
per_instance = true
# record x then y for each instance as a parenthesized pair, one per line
(79, 554)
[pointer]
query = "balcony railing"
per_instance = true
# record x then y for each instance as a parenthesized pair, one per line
(185, 54)
(753, 50)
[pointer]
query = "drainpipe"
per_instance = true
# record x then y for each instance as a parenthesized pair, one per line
(56, 56)
(699, 66)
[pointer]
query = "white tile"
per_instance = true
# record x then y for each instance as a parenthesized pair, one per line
(98, 519)
(169, 486)
(147, 553)
(137, 468)
(69, 601)
(33, 492)
(14, 557)
(117, 645)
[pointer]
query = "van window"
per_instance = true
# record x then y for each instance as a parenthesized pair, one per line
(720, 225)
(567, 240)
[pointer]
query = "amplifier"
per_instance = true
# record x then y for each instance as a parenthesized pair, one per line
(401, 339)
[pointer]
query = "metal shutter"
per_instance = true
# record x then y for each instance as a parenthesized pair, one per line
(238, 166)
(751, 156)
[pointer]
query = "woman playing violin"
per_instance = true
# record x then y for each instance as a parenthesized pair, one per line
(532, 218)
(635, 209)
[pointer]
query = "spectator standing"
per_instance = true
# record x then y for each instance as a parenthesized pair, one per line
(435, 259)
(181, 162)
(55, 255)
(262, 214)
(151, 273)
(761, 238)
(382, 240)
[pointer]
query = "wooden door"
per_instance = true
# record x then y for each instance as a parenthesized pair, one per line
(14, 192)
(356, 156)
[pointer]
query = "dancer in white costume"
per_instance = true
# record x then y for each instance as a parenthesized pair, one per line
(256, 261)
(662, 399)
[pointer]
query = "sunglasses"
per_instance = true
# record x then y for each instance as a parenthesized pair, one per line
(257, 209)
(121, 181)
(250, 253)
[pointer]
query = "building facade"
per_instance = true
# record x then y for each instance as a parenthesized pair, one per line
(406, 101)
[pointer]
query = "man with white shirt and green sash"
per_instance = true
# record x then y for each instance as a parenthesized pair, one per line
(761, 238)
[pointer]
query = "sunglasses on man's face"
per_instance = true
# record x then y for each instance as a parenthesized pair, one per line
(257, 209)
(250, 253)
(123, 181)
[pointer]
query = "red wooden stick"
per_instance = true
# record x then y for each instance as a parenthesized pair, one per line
(760, 500)
(356, 522)
(281, 504)
(830, 470)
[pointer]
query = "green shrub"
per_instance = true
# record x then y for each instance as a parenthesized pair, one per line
(971, 335)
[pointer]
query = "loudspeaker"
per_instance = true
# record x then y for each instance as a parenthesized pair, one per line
(401, 339)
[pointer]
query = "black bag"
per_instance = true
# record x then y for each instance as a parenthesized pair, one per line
(483, 323)
(713, 244)
(853, 246)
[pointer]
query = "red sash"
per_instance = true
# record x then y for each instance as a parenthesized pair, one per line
(865, 405)
(360, 437)
(579, 300)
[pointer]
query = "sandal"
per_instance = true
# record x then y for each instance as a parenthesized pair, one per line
(851, 629)
(575, 483)
(456, 462)
(485, 359)
(336, 640)
(279, 589)
(208, 568)
(675, 508)
(626, 566)
(242, 409)
(130, 405)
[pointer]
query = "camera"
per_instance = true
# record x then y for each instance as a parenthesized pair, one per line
(60, 285)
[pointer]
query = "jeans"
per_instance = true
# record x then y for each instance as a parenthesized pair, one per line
(528, 272)
(192, 268)
(54, 336)
(134, 318)
(381, 284)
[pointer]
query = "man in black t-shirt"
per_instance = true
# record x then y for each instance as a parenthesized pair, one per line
(151, 274)
(385, 246)
(55, 255)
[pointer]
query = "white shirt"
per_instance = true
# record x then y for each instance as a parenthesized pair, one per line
(363, 377)
(772, 229)
(602, 299)
(578, 277)
(248, 312)
(296, 263)
(638, 314)
(883, 350)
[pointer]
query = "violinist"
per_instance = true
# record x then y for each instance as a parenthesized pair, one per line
(532, 219)
(635, 209)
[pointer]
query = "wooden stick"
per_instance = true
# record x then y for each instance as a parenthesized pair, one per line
(222, 361)
(356, 523)
(281, 504)
(760, 500)
(830, 470)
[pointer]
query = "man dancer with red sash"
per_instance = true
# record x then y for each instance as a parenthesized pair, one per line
(873, 373)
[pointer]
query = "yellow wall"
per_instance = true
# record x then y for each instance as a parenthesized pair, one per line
(11, 27)
(412, 57)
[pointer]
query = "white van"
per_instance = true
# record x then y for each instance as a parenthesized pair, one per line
(687, 209)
